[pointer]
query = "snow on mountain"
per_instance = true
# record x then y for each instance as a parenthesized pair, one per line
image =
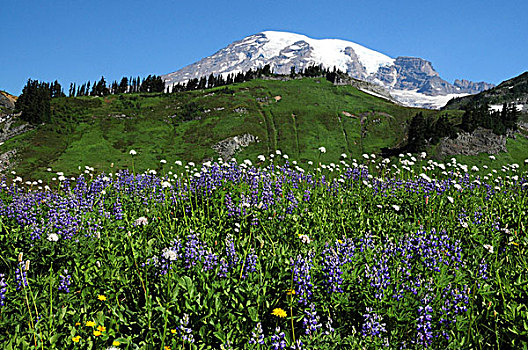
(411, 81)
(330, 52)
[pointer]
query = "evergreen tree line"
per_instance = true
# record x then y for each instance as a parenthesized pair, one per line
(34, 102)
(498, 121)
(424, 131)
(152, 83)
(211, 81)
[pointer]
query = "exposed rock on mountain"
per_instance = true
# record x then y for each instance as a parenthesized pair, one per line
(7, 100)
(229, 147)
(411, 80)
(471, 144)
(513, 90)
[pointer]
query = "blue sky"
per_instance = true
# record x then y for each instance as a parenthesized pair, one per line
(76, 41)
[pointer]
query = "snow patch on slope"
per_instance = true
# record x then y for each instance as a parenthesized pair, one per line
(413, 98)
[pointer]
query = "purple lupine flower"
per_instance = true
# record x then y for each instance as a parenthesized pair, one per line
(257, 336)
(371, 325)
(184, 332)
(210, 261)
(329, 328)
(483, 269)
(297, 345)
(311, 321)
(424, 334)
(194, 250)
(277, 340)
(333, 258)
(20, 275)
(301, 277)
(231, 260)
(65, 281)
(3, 289)
(251, 264)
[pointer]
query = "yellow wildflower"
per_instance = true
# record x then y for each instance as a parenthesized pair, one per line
(90, 324)
(76, 339)
(290, 291)
(173, 331)
(77, 324)
(101, 328)
(279, 312)
(167, 347)
(97, 333)
(101, 297)
(116, 343)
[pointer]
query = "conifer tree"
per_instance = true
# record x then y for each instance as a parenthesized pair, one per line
(34, 102)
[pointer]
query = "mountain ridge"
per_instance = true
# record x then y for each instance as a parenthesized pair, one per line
(513, 90)
(411, 80)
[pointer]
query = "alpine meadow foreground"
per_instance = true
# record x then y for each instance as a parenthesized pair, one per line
(402, 253)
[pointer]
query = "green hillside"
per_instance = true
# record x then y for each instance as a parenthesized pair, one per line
(99, 131)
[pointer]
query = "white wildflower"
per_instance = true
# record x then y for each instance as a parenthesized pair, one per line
(425, 177)
(261, 158)
(489, 248)
(450, 199)
(366, 156)
(163, 161)
(132, 152)
(169, 254)
(305, 239)
(53, 237)
(322, 149)
(165, 184)
(141, 221)
(343, 155)
(396, 207)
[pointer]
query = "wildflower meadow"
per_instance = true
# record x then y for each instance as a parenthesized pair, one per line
(268, 253)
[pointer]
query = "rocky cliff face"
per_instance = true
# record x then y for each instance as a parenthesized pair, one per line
(473, 87)
(282, 50)
(471, 144)
(6, 100)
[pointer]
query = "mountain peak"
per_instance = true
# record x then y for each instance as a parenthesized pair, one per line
(411, 77)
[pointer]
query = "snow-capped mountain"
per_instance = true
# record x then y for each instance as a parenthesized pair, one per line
(410, 80)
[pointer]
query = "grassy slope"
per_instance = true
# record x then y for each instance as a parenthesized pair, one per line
(309, 115)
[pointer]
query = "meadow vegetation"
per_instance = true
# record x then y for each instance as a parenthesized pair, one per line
(272, 252)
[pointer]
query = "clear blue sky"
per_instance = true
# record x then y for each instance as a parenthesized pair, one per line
(76, 41)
